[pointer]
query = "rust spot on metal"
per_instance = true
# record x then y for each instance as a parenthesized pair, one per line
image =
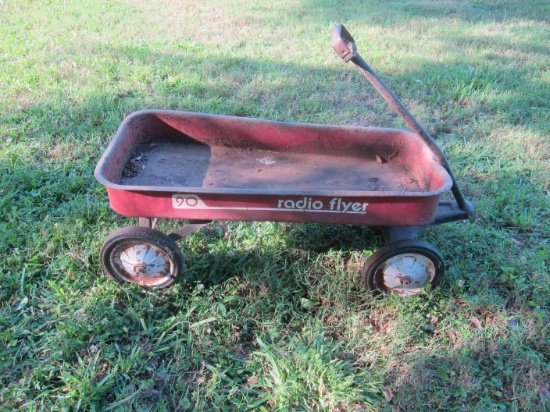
(380, 160)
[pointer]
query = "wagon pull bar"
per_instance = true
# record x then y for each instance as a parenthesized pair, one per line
(343, 43)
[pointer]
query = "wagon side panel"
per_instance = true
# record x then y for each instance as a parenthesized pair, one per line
(372, 211)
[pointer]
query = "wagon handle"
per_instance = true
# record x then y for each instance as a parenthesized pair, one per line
(344, 45)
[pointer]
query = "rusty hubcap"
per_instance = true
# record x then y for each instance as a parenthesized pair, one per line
(408, 273)
(141, 263)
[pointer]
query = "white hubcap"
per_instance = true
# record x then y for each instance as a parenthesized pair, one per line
(408, 273)
(141, 260)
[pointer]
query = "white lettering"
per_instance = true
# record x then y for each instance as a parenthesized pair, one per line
(335, 205)
(346, 206)
(301, 204)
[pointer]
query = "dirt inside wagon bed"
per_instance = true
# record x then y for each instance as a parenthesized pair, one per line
(200, 165)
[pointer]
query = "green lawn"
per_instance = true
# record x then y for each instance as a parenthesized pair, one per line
(273, 316)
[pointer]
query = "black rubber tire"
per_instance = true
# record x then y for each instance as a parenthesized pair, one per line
(407, 251)
(167, 255)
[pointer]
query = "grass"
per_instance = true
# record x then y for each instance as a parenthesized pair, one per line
(273, 316)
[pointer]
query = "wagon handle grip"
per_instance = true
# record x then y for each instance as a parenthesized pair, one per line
(344, 45)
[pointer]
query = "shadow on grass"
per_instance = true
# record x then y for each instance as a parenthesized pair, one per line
(444, 352)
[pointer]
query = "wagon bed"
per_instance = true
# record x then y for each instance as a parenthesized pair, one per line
(195, 165)
(238, 168)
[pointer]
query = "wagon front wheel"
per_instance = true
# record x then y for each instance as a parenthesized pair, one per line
(405, 267)
(143, 256)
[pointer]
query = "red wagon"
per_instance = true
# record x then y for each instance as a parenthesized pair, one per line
(202, 167)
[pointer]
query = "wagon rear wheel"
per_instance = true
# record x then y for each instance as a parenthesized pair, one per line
(143, 256)
(406, 267)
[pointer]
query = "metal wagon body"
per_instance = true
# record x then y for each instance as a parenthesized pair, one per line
(203, 167)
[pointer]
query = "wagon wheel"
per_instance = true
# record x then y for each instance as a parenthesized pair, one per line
(143, 256)
(405, 267)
